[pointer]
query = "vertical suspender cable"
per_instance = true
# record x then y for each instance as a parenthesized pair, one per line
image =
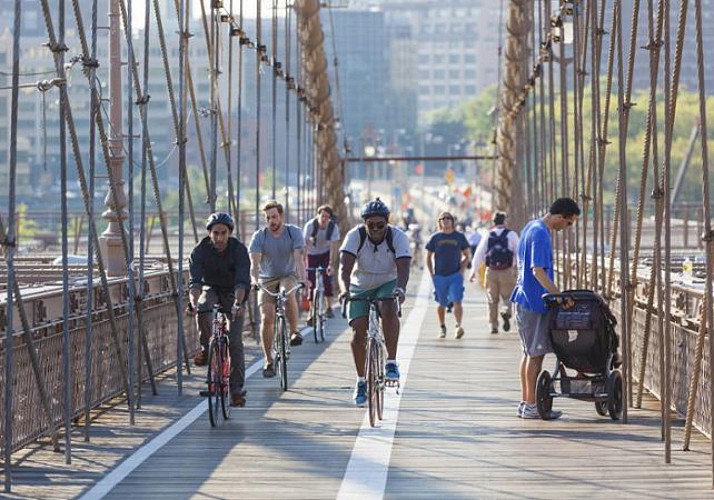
(274, 95)
(142, 224)
(258, 54)
(239, 131)
(232, 208)
(131, 357)
(183, 56)
(89, 325)
(709, 313)
(66, 340)
(9, 245)
(624, 228)
(671, 108)
(214, 107)
(288, 87)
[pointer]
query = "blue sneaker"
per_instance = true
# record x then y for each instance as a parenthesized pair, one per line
(391, 372)
(360, 393)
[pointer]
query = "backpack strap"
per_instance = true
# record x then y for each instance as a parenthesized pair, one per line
(315, 228)
(362, 231)
(363, 236)
(330, 230)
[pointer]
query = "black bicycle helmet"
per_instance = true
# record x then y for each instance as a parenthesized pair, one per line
(373, 208)
(219, 218)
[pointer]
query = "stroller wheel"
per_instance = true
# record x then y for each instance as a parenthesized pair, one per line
(601, 408)
(544, 400)
(614, 395)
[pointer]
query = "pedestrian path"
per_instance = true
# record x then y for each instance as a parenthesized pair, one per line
(451, 433)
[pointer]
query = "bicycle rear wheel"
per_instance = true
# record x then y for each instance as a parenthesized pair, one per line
(225, 389)
(372, 382)
(213, 379)
(281, 337)
(314, 314)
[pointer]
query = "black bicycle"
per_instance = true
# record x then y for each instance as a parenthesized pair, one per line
(374, 363)
(281, 339)
(317, 309)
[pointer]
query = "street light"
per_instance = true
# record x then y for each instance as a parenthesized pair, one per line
(369, 151)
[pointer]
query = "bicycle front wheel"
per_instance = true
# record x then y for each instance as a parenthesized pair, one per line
(213, 378)
(315, 314)
(281, 338)
(380, 379)
(225, 389)
(372, 381)
(320, 319)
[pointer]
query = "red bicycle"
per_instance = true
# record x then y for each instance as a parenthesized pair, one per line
(219, 367)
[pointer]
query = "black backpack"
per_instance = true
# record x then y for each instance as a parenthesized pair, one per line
(498, 256)
(316, 227)
(389, 238)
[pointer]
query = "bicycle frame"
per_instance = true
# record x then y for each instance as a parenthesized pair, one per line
(281, 342)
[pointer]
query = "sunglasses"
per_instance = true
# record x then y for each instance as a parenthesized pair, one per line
(448, 217)
(376, 225)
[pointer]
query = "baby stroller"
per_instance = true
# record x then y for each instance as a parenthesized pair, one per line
(582, 332)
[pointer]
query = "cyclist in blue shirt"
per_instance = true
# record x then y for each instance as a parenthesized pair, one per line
(447, 255)
(535, 278)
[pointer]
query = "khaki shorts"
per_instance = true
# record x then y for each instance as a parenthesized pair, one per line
(286, 282)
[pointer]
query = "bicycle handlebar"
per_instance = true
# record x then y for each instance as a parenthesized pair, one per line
(259, 286)
(394, 297)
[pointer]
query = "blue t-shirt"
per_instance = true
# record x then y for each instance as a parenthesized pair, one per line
(447, 250)
(535, 249)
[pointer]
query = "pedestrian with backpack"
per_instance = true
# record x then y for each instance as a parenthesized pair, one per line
(498, 252)
(322, 242)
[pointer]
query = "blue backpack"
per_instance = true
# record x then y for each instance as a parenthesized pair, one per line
(498, 256)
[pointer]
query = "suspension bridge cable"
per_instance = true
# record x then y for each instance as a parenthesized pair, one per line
(274, 94)
(258, 55)
(8, 243)
(89, 324)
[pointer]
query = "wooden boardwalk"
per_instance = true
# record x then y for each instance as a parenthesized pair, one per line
(456, 434)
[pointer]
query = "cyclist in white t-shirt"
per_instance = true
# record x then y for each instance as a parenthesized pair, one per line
(374, 263)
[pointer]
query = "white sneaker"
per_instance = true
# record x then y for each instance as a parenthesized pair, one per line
(519, 411)
(459, 332)
(531, 412)
(442, 332)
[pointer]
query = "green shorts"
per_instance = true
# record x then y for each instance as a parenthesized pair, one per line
(359, 308)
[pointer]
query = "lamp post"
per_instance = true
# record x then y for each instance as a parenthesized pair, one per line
(111, 240)
(369, 151)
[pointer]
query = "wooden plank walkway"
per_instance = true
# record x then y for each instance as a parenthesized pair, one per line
(457, 435)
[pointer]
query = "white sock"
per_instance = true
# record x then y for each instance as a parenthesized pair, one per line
(360, 379)
(392, 361)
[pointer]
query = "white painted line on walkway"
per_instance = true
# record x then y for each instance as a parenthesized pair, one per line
(366, 473)
(142, 454)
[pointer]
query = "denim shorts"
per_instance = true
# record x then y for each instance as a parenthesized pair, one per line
(449, 288)
(533, 330)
